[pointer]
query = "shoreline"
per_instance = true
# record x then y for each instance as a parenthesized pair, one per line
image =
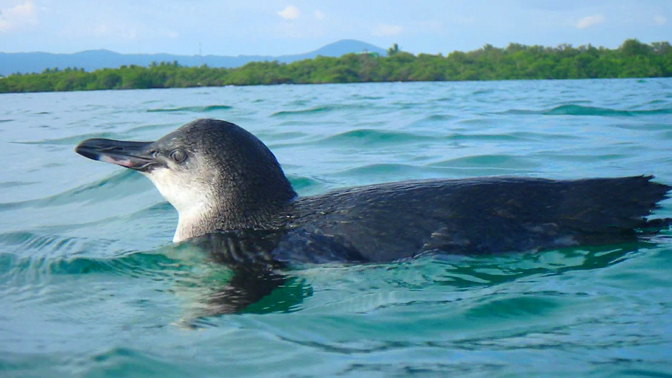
(633, 60)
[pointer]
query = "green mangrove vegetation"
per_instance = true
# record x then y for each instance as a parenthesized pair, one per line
(632, 59)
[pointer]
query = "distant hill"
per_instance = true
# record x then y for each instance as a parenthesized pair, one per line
(95, 59)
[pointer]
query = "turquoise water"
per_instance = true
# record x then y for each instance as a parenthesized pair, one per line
(90, 284)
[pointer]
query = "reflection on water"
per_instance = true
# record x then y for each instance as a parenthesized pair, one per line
(211, 288)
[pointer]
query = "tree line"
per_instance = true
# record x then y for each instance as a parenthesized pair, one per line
(632, 59)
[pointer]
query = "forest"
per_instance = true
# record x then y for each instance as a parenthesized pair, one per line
(633, 59)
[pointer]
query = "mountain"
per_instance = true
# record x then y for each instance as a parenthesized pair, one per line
(95, 59)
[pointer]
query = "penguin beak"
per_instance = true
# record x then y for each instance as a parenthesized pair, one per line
(139, 156)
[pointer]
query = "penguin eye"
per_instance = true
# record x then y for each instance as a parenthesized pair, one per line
(178, 156)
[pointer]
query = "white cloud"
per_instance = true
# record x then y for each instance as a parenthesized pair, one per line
(387, 30)
(289, 13)
(660, 20)
(319, 15)
(589, 21)
(19, 16)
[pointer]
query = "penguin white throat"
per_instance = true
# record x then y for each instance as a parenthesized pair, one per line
(208, 202)
(195, 200)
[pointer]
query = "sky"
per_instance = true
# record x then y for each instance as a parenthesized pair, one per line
(282, 27)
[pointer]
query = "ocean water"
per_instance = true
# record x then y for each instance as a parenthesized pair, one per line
(90, 284)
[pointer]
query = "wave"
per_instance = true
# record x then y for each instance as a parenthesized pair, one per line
(105, 188)
(121, 359)
(431, 120)
(439, 118)
(12, 184)
(370, 136)
(578, 110)
(320, 109)
(315, 110)
(57, 255)
(361, 97)
(542, 136)
(304, 184)
(403, 170)
(132, 264)
(495, 137)
(32, 243)
(483, 91)
(71, 140)
(440, 280)
(495, 161)
(454, 169)
(139, 129)
(192, 109)
(583, 158)
(279, 136)
(641, 126)
(52, 242)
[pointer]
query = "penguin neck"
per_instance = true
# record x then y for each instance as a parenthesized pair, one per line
(205, 217)
(193, 222)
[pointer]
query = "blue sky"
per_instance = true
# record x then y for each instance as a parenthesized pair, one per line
(273, 27)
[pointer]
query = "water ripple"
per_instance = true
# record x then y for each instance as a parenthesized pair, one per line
(192, 109)
(83, 193)
(499, 161)
(322, 109)
(579, 110)
(369, 136)
(71, 140)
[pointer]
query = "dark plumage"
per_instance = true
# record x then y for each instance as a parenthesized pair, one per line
(230, 184)
(481, 216)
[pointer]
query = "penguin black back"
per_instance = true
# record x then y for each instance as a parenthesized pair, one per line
(222, 179)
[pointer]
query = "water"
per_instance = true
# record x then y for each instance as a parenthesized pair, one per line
(91, 285)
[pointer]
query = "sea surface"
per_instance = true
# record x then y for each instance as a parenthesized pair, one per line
(91, 285)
